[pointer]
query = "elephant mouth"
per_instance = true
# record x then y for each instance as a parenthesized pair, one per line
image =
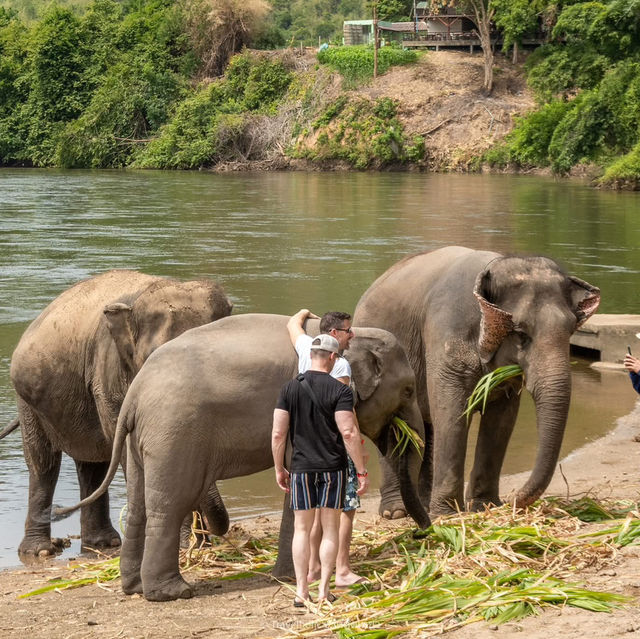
(397, 436)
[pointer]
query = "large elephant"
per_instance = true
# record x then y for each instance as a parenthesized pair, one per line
(201, 409)
(461, 313)
(71, 370)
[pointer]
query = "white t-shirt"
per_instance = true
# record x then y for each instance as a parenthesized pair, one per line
(341, 368)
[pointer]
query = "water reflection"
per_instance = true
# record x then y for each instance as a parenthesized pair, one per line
(280, 241)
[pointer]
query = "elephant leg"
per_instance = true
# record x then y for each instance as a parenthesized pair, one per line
(95, 523)
(216, 515)
(425, 481)
(160, 570)
(391, 504)
(495, 431)
(283, 568)
(43, 462)
(450, 433)
(134, 534)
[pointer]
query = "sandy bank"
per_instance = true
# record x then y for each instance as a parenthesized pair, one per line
(260, 607)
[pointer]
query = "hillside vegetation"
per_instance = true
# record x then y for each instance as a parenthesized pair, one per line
(171, 84)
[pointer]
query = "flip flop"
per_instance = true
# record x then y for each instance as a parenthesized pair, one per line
(300, 603)
(330, 598)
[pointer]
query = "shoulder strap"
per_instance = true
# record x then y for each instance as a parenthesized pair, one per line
(307, 388)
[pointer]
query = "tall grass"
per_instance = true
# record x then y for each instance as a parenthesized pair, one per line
(355, 63)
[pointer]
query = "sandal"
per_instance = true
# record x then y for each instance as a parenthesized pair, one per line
(301, 603)
(330, 598)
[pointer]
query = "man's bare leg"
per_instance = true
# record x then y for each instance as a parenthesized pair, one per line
(314, 549)
(344, 575)
(330, 519)
(303, 522)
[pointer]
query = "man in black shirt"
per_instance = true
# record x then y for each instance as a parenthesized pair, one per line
(316, 411)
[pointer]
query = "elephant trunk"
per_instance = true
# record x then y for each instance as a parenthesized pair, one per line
(408, 466)
(551, 392)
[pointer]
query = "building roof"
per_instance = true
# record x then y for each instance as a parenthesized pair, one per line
(404, 27)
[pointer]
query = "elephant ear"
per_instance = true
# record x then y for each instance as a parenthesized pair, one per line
(366, 367)
(119, 318)
(495, 324)
(585, 299)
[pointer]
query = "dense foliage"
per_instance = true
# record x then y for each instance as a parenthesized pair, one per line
(587, 80)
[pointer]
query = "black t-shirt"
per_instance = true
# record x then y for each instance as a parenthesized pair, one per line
(317, 446)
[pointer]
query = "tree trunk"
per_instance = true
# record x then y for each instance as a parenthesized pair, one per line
(375, 41)
(484, 15)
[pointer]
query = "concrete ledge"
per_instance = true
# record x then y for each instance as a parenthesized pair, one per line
(609, 335)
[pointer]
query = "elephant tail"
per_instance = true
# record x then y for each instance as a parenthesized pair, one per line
(125, 423)
(13, 424)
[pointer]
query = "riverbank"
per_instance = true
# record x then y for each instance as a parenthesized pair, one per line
(257, 606)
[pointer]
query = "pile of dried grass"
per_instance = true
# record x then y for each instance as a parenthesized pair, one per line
(497, 565)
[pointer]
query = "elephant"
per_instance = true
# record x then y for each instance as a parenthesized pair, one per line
(71, 370)
(461, 313)
(201, 409)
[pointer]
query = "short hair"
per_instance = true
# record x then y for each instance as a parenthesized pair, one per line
(333, 319)
(318, 354)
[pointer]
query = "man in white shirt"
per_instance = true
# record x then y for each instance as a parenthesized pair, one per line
(338, 325)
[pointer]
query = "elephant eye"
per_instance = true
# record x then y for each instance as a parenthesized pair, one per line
(408, 392)
(523, 338)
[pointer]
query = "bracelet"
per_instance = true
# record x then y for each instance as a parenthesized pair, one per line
(365, 474)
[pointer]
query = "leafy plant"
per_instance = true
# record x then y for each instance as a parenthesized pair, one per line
(487, 384)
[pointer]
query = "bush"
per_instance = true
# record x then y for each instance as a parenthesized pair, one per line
(624, 172)
(210, 125)
(528, 144)
(361, 133)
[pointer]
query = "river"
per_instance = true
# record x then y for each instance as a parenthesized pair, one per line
(282, 241)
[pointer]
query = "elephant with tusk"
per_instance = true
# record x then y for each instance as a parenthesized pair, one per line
(461, 313)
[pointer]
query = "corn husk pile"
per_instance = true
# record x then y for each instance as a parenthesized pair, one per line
(499, 565)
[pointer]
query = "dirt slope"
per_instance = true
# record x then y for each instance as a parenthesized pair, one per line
(441, 98)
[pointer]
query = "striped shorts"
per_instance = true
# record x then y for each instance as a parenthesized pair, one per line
(317, 490)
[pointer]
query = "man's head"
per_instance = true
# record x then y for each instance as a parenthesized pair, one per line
(338, 325)
(324, 350)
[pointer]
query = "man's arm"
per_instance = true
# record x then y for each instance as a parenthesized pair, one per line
(279, 445)
(349, 430)
(295, 325)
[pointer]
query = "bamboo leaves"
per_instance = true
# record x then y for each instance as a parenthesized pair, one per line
(486, 384)
(405, 435)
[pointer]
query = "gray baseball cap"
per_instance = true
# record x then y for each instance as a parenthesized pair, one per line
(325, 342)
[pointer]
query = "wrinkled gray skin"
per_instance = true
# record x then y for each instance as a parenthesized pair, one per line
(71, 370)
(461, 313)
(201, 410)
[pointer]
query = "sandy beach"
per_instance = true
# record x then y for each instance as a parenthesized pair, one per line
(261, 607)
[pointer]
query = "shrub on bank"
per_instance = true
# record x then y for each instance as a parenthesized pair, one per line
(624, 172)
(361, 133)
(213, 124)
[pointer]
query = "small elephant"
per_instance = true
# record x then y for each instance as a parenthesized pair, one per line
(71, 370)
(461, 313)
(200, 410)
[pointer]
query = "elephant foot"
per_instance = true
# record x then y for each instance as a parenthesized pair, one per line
(42, 546)
(478, 505)
(107, 538)
(176, 588)
(132, 585)
(392, 511)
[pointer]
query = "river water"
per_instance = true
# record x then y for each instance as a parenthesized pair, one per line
(282, 241)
